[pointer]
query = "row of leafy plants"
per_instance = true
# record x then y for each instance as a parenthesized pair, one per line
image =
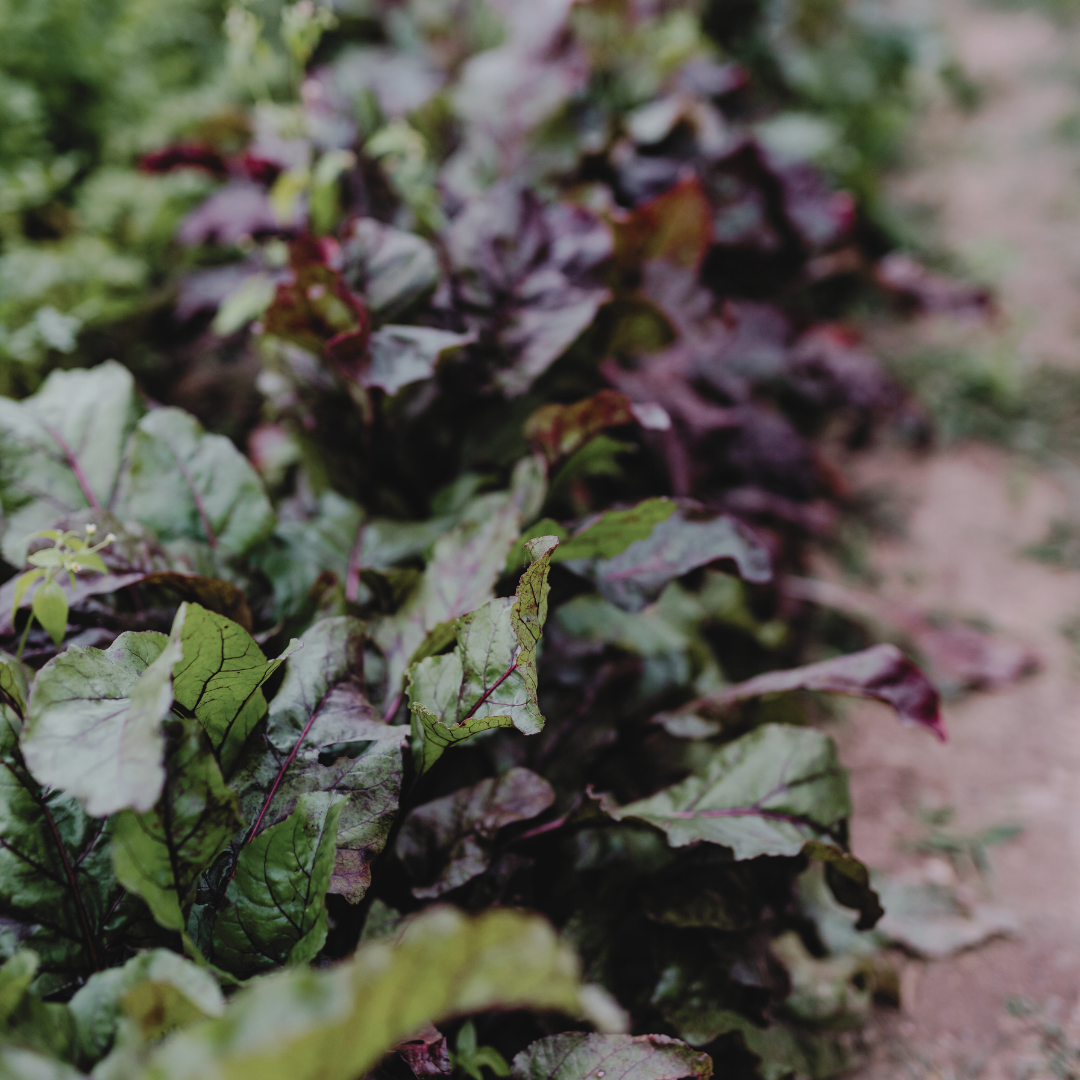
(471, 687)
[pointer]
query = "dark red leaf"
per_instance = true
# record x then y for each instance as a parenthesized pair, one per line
(882, 672)
(185, 156)
(558, 430)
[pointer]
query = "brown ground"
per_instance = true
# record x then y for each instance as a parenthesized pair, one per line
(1006, 191)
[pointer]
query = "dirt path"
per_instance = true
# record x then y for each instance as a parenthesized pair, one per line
(1006, 192)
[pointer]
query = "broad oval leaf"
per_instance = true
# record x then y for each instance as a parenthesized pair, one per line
(489, 680)
(766, 793)
(578, 1055)
(337, 1023)
(219, 680)
(158, 989)
(680, 543)
(447, 842)
(93, 726)
(187, 484)
(160, 854)
(62, 450)
(275, 905)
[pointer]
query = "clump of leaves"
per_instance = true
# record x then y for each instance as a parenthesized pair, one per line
(490, 614)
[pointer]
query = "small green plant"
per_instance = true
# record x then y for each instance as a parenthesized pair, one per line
(472, 1059)
(69, 554)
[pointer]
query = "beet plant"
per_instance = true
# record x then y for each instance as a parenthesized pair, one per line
(462, 721)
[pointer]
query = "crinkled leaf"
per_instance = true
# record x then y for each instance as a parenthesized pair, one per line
(93, 728)
(185, 483)
(275, 905)
(400, 355)
(62, 450)
(460, 576)
(219, 680)
(881, 672)
(675, 545)
(158, 989)
(391, 267)
(579, 1055)
(447, 842)
(321, 709)
(489, 680)
(321, 699)
(337, 1023)
(766, 793)
(559, 430)
(160, 854)
(56, 877)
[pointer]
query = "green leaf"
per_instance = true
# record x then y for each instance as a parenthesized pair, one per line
(26, 1020)
(50, 606)
(448, 841)
(160, 854)
(615, 531)
(489, 680)
(219, 680)
(18, 1064)
(22, 583)
(94, 724)
(321, 696)
(299, 551)
(275, 905)
(61, 450)
(337, 1023)
(185, 483)
(766, 793)
(676, 545)
(156, 991)
(578, 1055)
(15, 679)
(56, 877)
(459, 577)
(319, 710)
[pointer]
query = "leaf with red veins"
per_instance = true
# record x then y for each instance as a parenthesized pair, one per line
(882, 672)
(317, 307)
(447, 842)
(766, 793)
(489, 680)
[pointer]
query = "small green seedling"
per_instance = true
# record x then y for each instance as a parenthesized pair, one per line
(69, 554)
(471, 1059)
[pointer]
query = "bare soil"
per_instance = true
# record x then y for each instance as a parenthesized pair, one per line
(1003, 184)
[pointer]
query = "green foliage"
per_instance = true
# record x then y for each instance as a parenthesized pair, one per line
(433, 320)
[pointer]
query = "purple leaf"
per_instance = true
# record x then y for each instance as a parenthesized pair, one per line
(882, 672)
(681, 543)
(447, 842)
(240, 209)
